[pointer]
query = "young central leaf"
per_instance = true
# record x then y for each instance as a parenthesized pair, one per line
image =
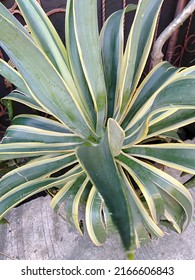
(116, 136)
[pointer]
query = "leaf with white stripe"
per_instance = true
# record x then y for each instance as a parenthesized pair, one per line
(76, 199)
(23, 98)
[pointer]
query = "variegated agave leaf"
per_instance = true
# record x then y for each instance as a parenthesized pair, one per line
(107, 127)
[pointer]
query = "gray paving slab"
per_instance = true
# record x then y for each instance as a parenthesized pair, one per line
(36, 232)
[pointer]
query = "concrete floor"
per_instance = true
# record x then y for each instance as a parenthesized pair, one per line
(35, 232)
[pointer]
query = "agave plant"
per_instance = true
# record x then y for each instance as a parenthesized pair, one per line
(107, 126)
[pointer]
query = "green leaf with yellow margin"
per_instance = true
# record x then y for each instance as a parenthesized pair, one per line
(136, 52)
(176, 155)
(164, 182)
(99, 164)
(75, 64)
(87, 38)
(49, 93)
(94, 221)
(112, 38)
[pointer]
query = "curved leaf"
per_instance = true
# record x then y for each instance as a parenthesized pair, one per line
(148, 189)
(40, 122)
(23, 98)
(165, 183)
(32, 149)
(148, 222)
(176, 155)
(32, 170)
(137, 133)
(12, 76)
(19, 193)
(22, 192)
(172, 97)
(64, 193)
(95, 225)
(142, 232)
(20, 133)
(99, 165)
(174, 214)
(176, 120)
(160, 75)
(72, 205)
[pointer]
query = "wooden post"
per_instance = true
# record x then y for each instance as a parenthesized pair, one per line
(157, 54)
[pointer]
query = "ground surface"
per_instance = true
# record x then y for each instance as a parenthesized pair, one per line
(35, 232)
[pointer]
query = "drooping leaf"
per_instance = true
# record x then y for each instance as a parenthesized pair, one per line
(20, 133)
(171, 135)
(12, 76)
(148, 222)
(175, 155)
(64, 193)
(94, 222)
(40, 123)
(166, 183)
(25, 189)
(22, 192)
(174, 213)
(76, 200)
(99, 165)
(176, 120)
(23, 98)
(32, 149)
(32, 170)
(172, 97)
(148, 189)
